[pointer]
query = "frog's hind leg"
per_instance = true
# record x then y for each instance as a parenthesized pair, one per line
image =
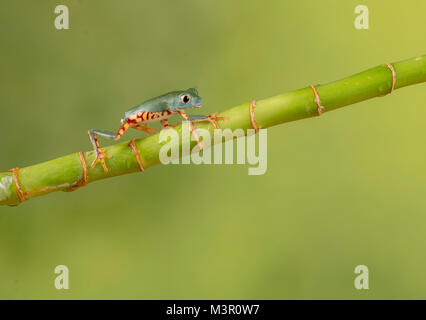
(145, 129)
(100, 153)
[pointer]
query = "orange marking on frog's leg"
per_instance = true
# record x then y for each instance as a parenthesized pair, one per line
(122, 130)
(19, 192)
(137, 154)
(317, 100)
(393, 76)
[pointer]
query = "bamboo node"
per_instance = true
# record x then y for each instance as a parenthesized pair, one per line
(137, 154)
(83, 181)
(390, 66)
(317, 100)
(252, 118)
(19, 192)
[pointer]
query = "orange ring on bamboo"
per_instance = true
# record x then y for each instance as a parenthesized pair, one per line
(137, 154)
(252, 118)
(85, 170)
(84, 180)
(390, 66)
(317, 100)
(19, 192)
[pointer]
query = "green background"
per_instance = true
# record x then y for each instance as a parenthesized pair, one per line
(341, 190)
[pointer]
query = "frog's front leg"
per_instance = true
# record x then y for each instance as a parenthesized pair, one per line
(191, 128)
(100, 153)
(212, 118)
(165, 124)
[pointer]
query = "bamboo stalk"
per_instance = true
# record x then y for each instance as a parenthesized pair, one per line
(73, 171)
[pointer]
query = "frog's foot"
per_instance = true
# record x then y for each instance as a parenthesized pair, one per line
(146, 129)
(190, 120)
(195, 136)
(100, 156)
(212, 118)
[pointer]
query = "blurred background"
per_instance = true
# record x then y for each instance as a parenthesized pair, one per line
(342, 190)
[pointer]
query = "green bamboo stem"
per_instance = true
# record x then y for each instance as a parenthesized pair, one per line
(69, 172)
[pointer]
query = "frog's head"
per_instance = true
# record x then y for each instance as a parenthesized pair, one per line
(187, 99)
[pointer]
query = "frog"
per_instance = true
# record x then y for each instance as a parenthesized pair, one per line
(156, 109)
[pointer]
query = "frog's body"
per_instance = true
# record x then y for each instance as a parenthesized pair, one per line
(148, 116)
(153, 110)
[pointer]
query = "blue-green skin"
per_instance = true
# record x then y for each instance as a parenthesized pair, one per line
(171, 101)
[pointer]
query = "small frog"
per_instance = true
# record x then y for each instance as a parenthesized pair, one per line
(156, 109)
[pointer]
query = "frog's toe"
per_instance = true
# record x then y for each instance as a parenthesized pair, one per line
(213, 119)
(100, 157)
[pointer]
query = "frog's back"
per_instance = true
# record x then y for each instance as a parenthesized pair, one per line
(157, 104)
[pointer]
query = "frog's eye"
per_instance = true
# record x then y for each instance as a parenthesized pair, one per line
(185, 98)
